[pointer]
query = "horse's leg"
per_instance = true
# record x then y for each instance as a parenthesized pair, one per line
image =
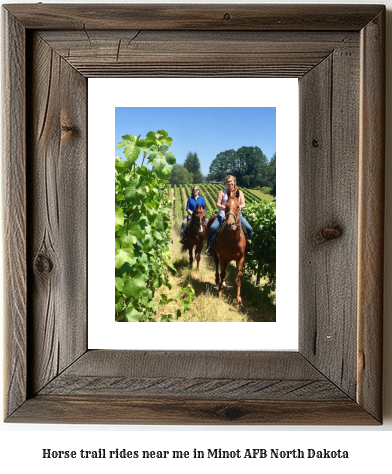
(240, 264)
(190, 255)
(223, 265)
(197, 255)
(216, 258)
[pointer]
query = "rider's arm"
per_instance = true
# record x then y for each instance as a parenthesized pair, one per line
(219, 200)
(188, 207)
(242, 205)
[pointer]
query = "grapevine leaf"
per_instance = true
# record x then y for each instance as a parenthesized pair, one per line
(185, 305)
(159, 162)
(129, 192)
(129, 138)
(124, 256)
(132, 315)
(119, 217)
(166, 318)
(135, 230)
(132, 153)
(134, 285)
(119, 284)
(170, 158)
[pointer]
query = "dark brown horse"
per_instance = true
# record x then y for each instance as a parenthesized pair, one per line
(196, 232)
(230, 244)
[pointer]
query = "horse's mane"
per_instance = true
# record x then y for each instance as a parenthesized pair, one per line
(237, 193)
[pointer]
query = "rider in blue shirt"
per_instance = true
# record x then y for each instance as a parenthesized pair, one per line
(190, 207)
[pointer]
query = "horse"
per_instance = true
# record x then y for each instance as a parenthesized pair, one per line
(230, 244)
(196, 232)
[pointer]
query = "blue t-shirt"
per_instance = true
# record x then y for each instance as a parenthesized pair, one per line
(192, 202)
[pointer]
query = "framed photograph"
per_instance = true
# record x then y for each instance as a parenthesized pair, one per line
(263, 113)
(337, 52)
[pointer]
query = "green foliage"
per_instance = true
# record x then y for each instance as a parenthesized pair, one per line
(192, 164)
(262, 218)
(180, 175)
(210, 196)
(222, 165)
(142, 225)
(266, 190)
(248, 164)
(272, 175)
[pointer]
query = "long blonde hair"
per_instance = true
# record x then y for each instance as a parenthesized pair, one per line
(235, 182)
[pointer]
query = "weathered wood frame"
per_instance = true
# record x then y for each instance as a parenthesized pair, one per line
(337, 52)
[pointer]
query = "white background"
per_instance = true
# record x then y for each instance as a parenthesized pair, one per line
(103, 332)
(21, 445)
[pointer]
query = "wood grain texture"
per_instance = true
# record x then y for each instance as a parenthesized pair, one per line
(371, 216)
(128, 410)
(329, 167)
(335, 378)
(205, 374)
(196, 53)
(57, 215)
(14, 208)
(205, 364)
(195, 17)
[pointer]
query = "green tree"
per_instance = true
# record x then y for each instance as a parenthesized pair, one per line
(192, 164)
(180, 175)
(248, 164)
(222, 165)
(272, 174)
(251, 167)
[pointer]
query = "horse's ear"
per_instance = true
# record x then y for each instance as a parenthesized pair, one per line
(205, 206)
(237, 194)
(228, 193)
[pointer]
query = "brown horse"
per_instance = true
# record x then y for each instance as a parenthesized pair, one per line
(196, 232)
(230, 244)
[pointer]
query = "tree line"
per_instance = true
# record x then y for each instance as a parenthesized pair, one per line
(248, 164)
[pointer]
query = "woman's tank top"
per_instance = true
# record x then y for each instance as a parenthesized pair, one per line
(224, 201)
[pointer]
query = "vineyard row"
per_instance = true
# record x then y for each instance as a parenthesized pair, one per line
(209, 192)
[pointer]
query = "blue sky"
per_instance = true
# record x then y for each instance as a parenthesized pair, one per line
(204, 130)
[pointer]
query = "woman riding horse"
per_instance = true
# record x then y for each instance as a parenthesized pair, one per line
(231, 188)
(193, 200)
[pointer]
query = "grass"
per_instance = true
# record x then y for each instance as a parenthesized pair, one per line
(258, 302)
(266, 197)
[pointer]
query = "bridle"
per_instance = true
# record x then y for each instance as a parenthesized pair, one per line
(197, 225)
(235, 219)
(235, 224)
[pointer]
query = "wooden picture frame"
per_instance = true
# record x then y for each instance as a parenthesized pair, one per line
(338, 54)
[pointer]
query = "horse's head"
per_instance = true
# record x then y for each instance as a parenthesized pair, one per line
(198, 218)
(232, 211)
